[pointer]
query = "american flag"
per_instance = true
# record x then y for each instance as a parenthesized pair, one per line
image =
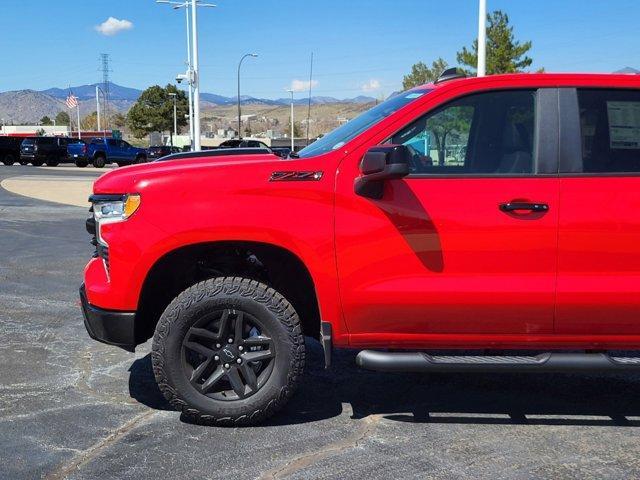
(72, 101)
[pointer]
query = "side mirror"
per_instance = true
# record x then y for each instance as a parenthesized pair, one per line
(380, 163)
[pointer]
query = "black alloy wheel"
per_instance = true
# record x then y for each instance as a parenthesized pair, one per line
(228, 351)
(228, 355)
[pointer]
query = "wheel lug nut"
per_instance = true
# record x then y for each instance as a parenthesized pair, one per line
(240, 348)
(239, 360)
(230, 340)
(218, 345)
(216, 358)
(226, 365)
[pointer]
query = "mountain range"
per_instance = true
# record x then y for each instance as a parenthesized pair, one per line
(29, 106)
(118, 92)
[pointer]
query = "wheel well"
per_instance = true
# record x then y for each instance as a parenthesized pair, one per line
(100, 154)
(181, 268)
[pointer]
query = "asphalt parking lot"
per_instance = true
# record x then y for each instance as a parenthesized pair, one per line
(74, 408)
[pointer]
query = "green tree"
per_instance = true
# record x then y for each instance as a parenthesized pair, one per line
(118, 120)
(90, 122)
(62, 118)
(504, 53)
(297, 129)
(40, 132)
(153, 111)
(448, 126)
(421, 73)
(46, 121)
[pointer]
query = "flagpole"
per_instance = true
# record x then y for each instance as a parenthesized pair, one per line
(79, 133)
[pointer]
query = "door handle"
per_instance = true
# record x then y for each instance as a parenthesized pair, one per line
(532, 207)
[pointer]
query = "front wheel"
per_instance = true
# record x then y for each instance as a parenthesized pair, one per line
(228, 351)
(52, 161)
(99, 161)
(8, 159)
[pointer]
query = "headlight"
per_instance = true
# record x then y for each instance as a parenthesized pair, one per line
(112, 209)
(109, 209)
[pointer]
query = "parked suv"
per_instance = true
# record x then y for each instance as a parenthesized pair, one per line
(10, 149)
(41, 150)
(100, 151)
(490, 214)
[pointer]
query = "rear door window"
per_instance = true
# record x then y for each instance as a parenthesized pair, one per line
(610, 130)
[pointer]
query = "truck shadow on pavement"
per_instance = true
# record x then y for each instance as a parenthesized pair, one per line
(474, 398)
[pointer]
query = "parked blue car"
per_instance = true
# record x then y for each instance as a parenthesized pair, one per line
(100, 151)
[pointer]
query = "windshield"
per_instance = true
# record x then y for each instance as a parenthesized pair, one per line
(341, 135)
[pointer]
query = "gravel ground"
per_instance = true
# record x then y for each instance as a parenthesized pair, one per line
(74, 408)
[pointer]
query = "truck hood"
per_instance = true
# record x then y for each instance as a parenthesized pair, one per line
(134, 177)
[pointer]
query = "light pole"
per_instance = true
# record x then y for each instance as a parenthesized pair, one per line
(292, 140)
(175, 116)
(192, 66)
(239, 65)
(482, 38)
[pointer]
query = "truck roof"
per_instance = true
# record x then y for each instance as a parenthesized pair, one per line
(545, 80)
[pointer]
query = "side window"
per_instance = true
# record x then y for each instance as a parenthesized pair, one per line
(486, 133)
(610, 130)
(112, 143)
(124, 144)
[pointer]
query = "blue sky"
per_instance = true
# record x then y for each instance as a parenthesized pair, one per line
(360, 47)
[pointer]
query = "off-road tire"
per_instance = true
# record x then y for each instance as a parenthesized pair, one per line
(81, 163)
(258, 300)
(52, 161)
(123, 164)
(99, 161)
(8, 159)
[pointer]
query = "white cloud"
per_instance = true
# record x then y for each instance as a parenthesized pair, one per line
(371, 86)
(302, 85)
(112, 26)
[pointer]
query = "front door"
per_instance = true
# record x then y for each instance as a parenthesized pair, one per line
(467, 242)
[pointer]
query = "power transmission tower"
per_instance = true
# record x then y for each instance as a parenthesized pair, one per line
(104, 59)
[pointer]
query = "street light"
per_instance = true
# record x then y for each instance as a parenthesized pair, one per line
(192, 66)
(239, 65)
(482, 38)
(175, 116)
(292, 143)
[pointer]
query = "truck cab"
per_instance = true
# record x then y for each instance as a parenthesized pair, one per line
(492, 214)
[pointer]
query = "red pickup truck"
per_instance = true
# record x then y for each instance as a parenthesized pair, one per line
(491, 214)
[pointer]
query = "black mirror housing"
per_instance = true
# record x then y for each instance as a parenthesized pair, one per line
(380, 163)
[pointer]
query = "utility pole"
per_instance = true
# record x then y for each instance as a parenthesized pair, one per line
(292, 130)
(482, 38)
(175, 116)
(98, 106)
(104, 58)
(239, 115)
(309, 100)
(196, 77)
(192, 75)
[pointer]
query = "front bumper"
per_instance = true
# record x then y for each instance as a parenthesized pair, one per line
(109, 326)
